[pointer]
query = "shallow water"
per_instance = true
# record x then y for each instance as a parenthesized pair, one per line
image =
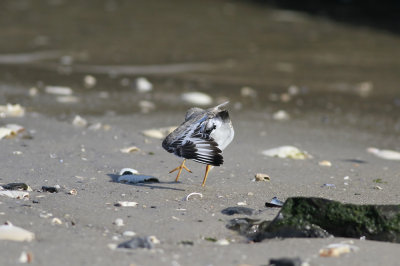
(346, 74)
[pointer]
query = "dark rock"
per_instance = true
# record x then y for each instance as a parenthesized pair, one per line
(317, 217)
(238, 210)
(137, 242)
(16, 186)
(285, 262)
(49, 189)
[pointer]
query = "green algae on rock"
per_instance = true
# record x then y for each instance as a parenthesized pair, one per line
(318, 217)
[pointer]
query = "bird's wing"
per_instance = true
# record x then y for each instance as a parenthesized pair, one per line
(196, 143)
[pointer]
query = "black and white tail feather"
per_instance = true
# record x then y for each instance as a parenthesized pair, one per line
(193, 140)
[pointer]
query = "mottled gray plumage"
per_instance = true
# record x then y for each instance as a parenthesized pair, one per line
(202, 136)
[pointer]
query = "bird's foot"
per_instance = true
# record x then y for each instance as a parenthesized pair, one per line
(179, 168)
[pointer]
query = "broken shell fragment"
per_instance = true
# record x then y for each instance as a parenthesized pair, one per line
(15, 233)
(89, 81)
(126, 204)
(137, 179)
(73, 192)
(159, 133)
(192, 194)
(335, 250)
(129, 149)
(58, 90)
(281, 115)
(385, 154)
(197, 98)
(143, 85)
(10, 130)
(11, 110)
(128, 171)
(325, 163)
(274, 203)
(15, 194)
(287, 152)
(119, 222)
(25, 257)
(79, 121)
(262, 177)
(56, 221)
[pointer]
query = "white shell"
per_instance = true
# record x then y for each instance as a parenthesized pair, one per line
(15, 194)
(15, 233)
(192, 194)
(59, 90)
(197, 98)
(127, 203)
(159, 133)
(143, 85)
(129, 170)
(281, 115)
(287, 152)
(385, 154)
(129, 149)
(12, 110)
(89, 81)
(135, 178)
(79, 121)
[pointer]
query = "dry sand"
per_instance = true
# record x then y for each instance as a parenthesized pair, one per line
(87, 160)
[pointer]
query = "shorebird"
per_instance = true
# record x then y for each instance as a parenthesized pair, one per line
(201, 137)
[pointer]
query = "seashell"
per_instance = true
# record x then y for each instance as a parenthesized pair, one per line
(158, 133)
(287, 152)
(281, 115)
(56, 221)
(335, 250)
(129, 149)
(89, 81)
(262, 177)
(10, 130)
(119, 222)
(126, 204)
(325, 163)
(385, 154)
(15, 233)
(274, 203)
(58, 90)
(197, 98)
(192, 194)
(143, 85)
(128, 171)
(79, 121)
(11, 110)
(137, 179)
(15, 194)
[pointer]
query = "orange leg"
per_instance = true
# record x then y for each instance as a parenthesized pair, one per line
(180, 167)
(208, 167)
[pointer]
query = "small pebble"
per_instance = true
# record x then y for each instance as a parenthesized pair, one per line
(281, 115)
(119, 222)
(143, 85)
(89, 81)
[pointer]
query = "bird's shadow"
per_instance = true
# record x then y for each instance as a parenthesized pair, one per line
(152, 184)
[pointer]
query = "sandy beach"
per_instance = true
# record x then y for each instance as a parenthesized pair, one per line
(325, 85)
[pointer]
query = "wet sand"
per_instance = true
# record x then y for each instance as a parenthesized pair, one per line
(87, 160)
